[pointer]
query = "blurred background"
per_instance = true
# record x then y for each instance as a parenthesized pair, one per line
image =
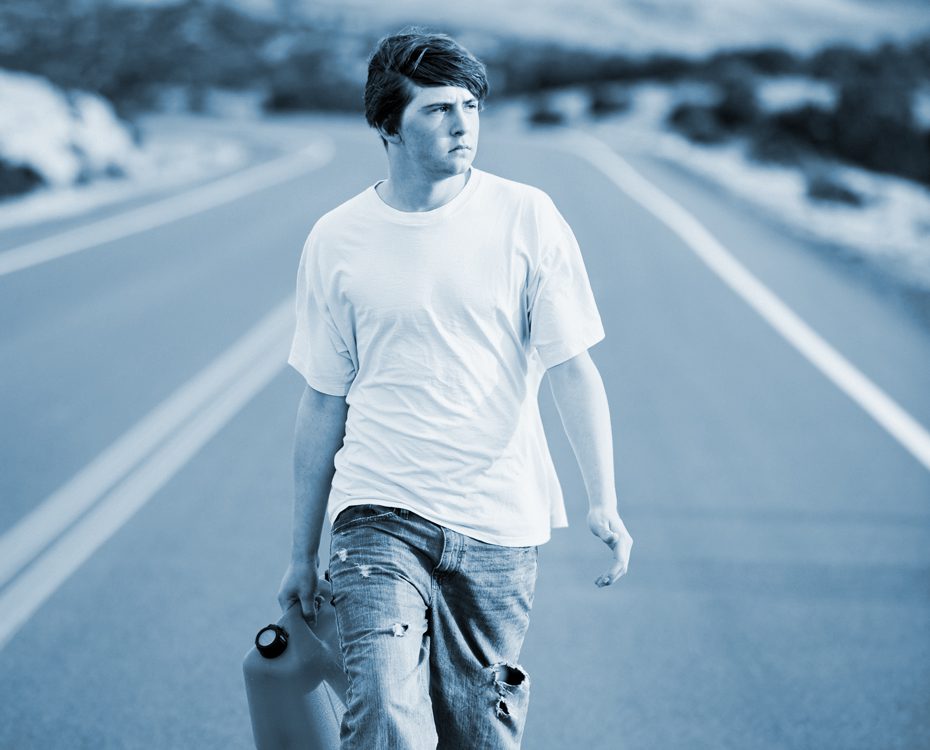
(834, 92)
(160, 165)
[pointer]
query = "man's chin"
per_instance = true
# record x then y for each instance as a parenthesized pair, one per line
(461, 164)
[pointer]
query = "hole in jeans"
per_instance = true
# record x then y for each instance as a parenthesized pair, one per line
(507, 679)
(508, 674)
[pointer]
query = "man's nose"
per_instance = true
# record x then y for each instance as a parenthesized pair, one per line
(459, 122)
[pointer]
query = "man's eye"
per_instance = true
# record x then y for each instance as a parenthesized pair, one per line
(472, 105)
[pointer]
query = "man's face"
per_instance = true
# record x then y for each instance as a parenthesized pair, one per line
(439, 130)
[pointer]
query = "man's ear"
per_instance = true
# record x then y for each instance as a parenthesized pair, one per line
(394, 138)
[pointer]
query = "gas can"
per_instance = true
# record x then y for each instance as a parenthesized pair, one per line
(295, 682)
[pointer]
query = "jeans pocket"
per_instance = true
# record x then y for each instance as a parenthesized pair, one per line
(358, 515)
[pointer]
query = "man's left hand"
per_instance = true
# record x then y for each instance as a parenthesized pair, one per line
(606, 525)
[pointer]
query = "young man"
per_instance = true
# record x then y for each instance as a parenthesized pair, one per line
(428, 309)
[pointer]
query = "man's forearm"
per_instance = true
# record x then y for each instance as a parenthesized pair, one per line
(318, 436)
(581, 400)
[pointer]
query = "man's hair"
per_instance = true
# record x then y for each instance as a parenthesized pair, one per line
(414, 55)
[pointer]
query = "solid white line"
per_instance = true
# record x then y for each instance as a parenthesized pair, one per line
(34, 532)
(896, 421)
(169, 209)
(38, 582)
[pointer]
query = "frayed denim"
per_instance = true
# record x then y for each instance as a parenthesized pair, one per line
(431, 623)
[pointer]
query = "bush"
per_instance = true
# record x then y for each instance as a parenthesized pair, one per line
(734, 111)
(698, 122)
(874, 127)
(663, 67)
(16, 179)
(748, 62)
(825, 187)
(790, 136)
(123, 51)
(871, 126)
(606, 100)
(545, 114)
(309, 80)
(737, 107)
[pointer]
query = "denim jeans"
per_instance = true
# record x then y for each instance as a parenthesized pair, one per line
(430, 624)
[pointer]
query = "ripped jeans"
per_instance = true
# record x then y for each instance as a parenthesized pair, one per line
(430, 624)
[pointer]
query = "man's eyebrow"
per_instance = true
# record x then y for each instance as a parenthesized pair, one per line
(450, 102)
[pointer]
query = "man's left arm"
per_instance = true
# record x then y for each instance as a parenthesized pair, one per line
(581, 400)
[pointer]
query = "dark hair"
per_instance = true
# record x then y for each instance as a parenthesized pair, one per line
(414, 55)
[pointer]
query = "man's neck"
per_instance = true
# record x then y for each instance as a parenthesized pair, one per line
(407, 194)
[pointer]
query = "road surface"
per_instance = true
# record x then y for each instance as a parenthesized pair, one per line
(778, 589)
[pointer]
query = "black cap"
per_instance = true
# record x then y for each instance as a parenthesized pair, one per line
(271, 641)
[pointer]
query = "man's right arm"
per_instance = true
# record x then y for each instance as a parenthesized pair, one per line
(318, 435)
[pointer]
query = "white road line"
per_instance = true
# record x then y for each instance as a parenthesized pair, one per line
(897, 422)
(37, 530)
(20, 600)
(168, 210)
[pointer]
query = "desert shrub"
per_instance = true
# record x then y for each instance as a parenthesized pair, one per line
(737, 105)
(789, 136)
(808, 124)
(697, 122)
(874, 127)
(524, 67)
(543, 112)
(663, 68)
(825, 187)
(606, 99)
(906, 63)
(749, 61)
(871, 124)
(16, 179)
(122, 51)
(772, 61)
(315, 75)
(734, 110)
(835, 62)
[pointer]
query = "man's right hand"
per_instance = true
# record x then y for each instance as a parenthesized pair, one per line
(300, 584)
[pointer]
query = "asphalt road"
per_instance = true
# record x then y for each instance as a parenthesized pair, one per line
(778, 589)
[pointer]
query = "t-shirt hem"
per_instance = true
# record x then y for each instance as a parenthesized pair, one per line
(524, 540)
(569, 351)
(329, 387)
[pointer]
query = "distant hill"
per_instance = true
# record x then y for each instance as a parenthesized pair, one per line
(682, 27)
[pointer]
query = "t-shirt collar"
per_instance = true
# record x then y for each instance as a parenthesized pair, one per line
(425, 217)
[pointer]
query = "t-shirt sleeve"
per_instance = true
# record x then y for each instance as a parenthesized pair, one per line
(319, 351)
(563, 317)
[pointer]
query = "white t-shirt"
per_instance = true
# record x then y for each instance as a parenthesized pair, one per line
(437, 326)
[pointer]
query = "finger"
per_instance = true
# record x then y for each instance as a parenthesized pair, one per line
(309, 616)
(606, 534)
(617, 571)
(308, 608)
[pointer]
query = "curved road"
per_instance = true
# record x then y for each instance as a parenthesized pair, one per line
(777, 595)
